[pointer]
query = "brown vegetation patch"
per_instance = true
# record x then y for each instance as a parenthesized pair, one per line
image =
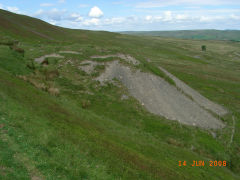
(54, 91)
(49, 75)
(174, 142)
(17, 49)
(86, 104)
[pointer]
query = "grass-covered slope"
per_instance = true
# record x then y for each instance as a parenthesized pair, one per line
(233, 35)
(34, 30)
(88, 131)
(27, 27)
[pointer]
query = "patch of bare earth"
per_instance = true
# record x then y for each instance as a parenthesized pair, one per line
(161, 98)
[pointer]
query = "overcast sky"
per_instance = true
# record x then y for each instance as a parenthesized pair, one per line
(132, 15)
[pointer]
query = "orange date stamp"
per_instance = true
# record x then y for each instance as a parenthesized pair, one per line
(203, 163)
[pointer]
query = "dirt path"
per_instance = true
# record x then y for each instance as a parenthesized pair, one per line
(233, 131)
(69, 52)
(236, 53)
(197, 97)
(42, 35)
(159, 97)
(42, 58)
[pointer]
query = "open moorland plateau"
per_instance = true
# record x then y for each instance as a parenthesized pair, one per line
(77, 104)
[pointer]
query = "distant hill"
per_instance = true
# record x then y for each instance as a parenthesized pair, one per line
(233, 35)
(27, 27)
(24, 27)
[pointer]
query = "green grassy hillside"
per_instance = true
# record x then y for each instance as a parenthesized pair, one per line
(86, 131)
(233, 35)
(34, 30)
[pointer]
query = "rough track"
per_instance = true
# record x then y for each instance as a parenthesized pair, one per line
(197, 97)
(233, 131)
(69, 52)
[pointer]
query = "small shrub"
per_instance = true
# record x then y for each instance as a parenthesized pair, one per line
(20, 50)
(204, 48)
(86, 104)
(173, 142)
(23, 77)
(45, 62)
(31, 65)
